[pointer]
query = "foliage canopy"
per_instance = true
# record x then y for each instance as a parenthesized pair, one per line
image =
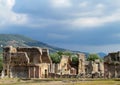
(56, 57)
(93, 57)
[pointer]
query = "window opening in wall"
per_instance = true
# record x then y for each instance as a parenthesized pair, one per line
(118, 58)
(45, 73)
(113, 58)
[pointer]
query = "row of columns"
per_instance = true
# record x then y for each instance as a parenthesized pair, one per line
(34, 72)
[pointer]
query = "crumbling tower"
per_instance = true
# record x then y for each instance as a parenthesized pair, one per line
(81, 64)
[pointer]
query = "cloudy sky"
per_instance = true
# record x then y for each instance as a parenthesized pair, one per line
(84, 25)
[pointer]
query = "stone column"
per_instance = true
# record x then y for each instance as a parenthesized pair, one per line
(2, 74)
(109, 74)
(49, 70)
(40, 70)
(8, 70)
(81, 66)
(34, 72)
(28, 72)
(115, 72)
(53, 68)
(3, 71)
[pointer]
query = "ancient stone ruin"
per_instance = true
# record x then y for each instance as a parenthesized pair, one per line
(26, 62)
(81, 64)
(94, 68)
(35, 62)
(112, 65)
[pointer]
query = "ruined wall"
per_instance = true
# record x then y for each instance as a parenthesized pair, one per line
(117, 67)
(34, 54)
(64, 63)
(112, 70)
(45, 56)
(34, 71)
(44, 70)
(88, 67)
(26, 62)
(20, 58)
(55, 68)
(101, 68)
(15, 64)
(63, 67)
(96, 66)
(18, 65)
(19, 71)
(7, 51)
(110, 73)
(94, 69)
(81, 66)
(112, 65)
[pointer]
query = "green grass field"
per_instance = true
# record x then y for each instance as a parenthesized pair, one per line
(16, 81)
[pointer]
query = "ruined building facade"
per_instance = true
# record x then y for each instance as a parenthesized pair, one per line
(81, 63)
(64, 67)
(35, 62)
(26, 62)
(112, 65)
(94, 68)
(83, 69)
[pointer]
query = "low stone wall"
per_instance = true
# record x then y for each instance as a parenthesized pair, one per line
(20, 72)
(53, 75)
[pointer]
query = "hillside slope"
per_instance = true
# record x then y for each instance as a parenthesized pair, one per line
(22, 41)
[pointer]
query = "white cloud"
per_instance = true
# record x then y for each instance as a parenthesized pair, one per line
(86, 22)
(96, 20)
(92, 14)
(61, 3)
(100, 6)
(88, 13)
(37, 23)
(116, 35)
(8, 16)
(84, 4)
(115, 3)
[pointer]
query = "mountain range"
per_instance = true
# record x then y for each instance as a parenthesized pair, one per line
(22, 41)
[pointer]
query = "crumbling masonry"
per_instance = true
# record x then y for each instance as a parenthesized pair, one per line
(35, 62)
(112, 65)
(26, 62)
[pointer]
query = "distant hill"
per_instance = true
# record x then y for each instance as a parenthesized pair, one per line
(101, 54)
(22, 41)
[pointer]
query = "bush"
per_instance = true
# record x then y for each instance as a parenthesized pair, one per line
(55, 58)
(93, 57)
(75, 60)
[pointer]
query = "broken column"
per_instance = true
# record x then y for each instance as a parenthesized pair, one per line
(81, 65)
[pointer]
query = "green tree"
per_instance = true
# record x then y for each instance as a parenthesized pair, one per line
(75, 60)
(55, 57)
(60, 53)
(93, 57)
(68, 53)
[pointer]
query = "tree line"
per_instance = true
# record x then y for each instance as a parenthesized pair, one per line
(56, 57)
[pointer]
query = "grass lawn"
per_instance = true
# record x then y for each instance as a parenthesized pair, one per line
(16, 81)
